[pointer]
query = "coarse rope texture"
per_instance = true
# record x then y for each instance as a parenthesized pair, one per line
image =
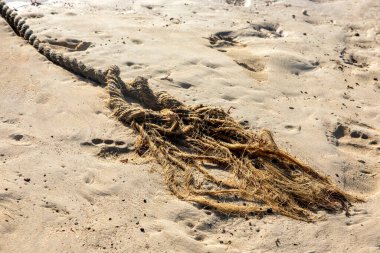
(207, 157)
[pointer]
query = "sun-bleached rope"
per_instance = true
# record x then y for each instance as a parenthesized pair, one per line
(207, 157)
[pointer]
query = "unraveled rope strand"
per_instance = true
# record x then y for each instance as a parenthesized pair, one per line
(207, 157)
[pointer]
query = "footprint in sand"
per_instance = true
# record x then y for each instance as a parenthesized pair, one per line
(229, 42)
(232, 38)
(354, 59)
(356, 136)
(360, 143)
(233, 44)
(196, 224)
(95, 185)
(18, 139)
(69, 45)
(358, 155)
(360, 46)
(109, 147)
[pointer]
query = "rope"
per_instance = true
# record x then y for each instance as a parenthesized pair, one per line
(207, 157)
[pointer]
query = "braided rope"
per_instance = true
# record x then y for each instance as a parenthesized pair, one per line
(188, 140)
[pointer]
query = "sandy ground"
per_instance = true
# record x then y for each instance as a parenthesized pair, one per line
(307, 70)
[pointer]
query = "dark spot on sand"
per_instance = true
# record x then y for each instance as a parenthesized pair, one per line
(119, 143)
(108, 142)
(185, 85)
(17, 137)
(355, 134)
(338, 132)
(97, 141)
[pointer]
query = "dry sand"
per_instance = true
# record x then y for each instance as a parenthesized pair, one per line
(311, 78)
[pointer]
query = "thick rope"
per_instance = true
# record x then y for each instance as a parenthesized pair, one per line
(207, 157)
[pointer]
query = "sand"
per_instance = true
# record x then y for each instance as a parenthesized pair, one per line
(306, 70)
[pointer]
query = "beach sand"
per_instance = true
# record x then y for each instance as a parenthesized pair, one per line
(306, 70)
